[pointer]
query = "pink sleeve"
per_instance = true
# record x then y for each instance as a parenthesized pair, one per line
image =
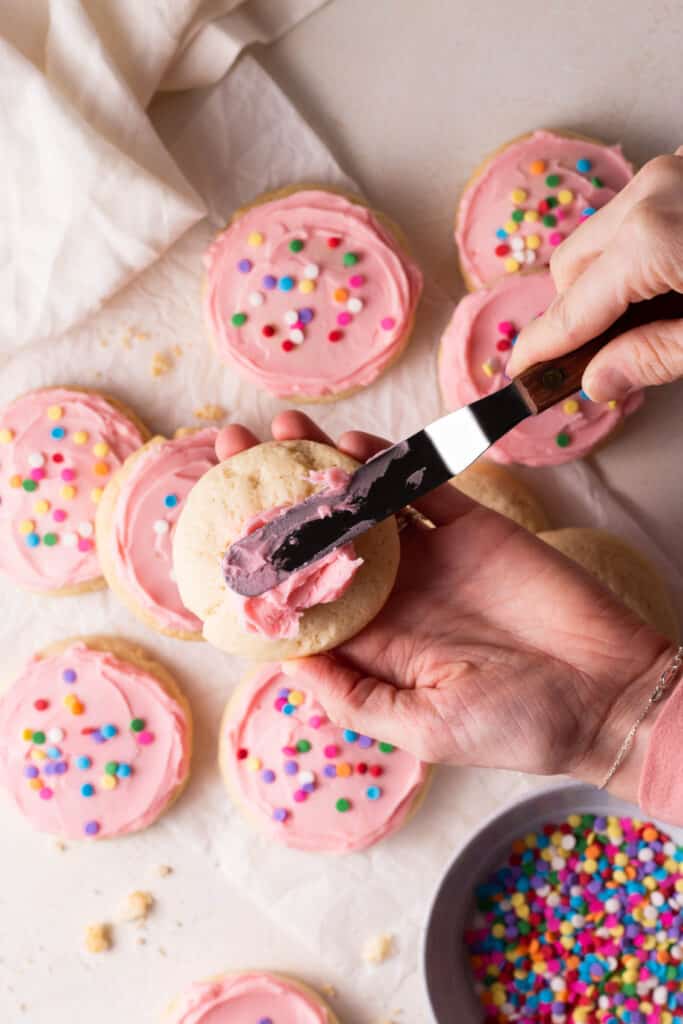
(660, 792)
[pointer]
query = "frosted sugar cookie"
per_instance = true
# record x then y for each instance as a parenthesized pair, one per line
(319, 606)
(95, 739)
(525, 198)
(58, 449)
(474, 352)
(250, 997)
(136, 520)
(310, 294)
(306, 782)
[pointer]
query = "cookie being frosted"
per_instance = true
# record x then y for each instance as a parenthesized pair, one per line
(528, 196)
(309, 294)
(136, 520)
(95, 739)
(250, 997)
(58, 449)
(475, 350)
(307, 783)
(317, 607)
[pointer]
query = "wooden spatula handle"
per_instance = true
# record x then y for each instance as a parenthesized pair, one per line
(545, 384)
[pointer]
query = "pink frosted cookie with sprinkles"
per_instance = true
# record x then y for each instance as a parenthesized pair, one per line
(307, 783)
(310, 294)
(474, 352)
(136, 521)
(525, 198)
(250, 997)
(58, 448)
(95, 739)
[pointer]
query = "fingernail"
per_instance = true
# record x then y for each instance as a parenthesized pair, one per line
(606, 384)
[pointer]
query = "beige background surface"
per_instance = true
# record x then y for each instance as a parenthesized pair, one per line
(410, 96)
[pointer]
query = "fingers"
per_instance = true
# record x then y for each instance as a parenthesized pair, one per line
(233, 439)
(442, 506)
(296, 426)
(365, 704)
(639, 358)
(590, 305)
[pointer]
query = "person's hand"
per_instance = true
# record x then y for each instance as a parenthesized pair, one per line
(631, 249)
(493, 649)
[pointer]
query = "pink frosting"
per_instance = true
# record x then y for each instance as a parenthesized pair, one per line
(52, 444)
(43, 734)
(248, 998)
(379, 781)
(144, 524)
(487, 204)
(492, 317)
(352, 295)
(277, 612)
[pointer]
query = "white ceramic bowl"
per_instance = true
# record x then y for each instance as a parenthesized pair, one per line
(449, 986)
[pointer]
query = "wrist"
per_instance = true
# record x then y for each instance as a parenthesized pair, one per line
(622, 713)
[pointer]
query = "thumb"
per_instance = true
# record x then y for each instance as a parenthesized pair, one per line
(652, 354)
(363, 703)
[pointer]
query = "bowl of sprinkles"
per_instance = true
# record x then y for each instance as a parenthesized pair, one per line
(566, 908)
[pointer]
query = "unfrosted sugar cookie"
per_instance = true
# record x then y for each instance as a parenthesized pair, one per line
(136, 520)
(250, 997)
(525, 198)
(58, 449)
(626, 572)
(95, 739)
(317, 607)
(310, 294)
(496, 488)
(307, 783)
(474, 352)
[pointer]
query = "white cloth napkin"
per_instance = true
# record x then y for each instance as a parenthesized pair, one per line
(90, 196)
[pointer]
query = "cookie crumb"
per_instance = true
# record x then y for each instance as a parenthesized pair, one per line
(329, 991)
(141, 940)
(60, 845)
(162, 951)
(210, 412)
(177, 350)
(98, 938)
(161, 364)
(137, 906)
(163, 870)
(378, 948)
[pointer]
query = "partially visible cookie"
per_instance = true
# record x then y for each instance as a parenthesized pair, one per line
(58, 448)
(623, 569)
(527, 196)
(498, 489)
(136, 519)
(318, 607)
(95, 739)
(250, 997)
(304, 781)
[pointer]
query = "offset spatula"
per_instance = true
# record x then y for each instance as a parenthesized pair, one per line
(411, 468)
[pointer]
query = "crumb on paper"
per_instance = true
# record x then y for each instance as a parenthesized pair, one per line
(177, 350)
(378, 948)
(329, 991)
(162, 951)
(98, 938)
(163, 870)
(210, 412)
(137, 906)
(141, 940)
(60, 845)
(161, 364)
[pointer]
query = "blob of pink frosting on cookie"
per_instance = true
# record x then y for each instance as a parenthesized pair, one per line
(312, 785)
(525, 201)
(58, 449)
(309, 294)
(277, 612)
(146, 513)
(474, 353)
(248, 998)
(90, 745)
